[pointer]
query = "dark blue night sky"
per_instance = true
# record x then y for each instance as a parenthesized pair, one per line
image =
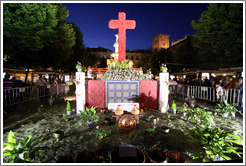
(172, 19)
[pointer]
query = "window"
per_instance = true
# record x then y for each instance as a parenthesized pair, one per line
(132, 57)
(137, 58)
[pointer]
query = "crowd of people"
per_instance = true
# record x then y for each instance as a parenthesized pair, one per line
(16, 82)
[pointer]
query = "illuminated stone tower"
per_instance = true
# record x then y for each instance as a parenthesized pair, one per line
(160, 41)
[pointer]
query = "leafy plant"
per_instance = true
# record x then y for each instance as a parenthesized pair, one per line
(40, 108)
(200, 116)
(216, 143)
(153, 148)
(68, 106)
(65, 117)
(101, 133)
(168, 114)
(90, 115)
(19, 152)
(151, 129)
(224, 108)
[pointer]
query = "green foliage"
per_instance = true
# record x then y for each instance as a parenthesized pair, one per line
(68, 106)
(65, 117)
(151, 129)
(200, 116)
(167, 114)
(216, 143)
(90, 115)
(153, 148)
(219, 35)
(101, 133)
(36, 35)
(225, 107)
(18, 152)
(40, 108)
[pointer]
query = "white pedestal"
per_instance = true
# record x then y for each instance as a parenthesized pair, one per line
(163, 95)
(80, 92)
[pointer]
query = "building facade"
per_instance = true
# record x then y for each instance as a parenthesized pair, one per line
(160, 41)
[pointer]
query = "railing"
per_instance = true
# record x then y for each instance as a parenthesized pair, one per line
(19, 95)
(233, 96)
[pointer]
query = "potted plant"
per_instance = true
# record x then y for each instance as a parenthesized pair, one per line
(40, 108)
(59, 134)
(19, 152)
(174, 107)
(185, 108)
(151, 130)
(165, 129)
(155, 154)
(65, 117)
(69, 110)
(225, 109)
(90, 116)
(216, 143)
(79, 66)
(168, 115)
(163, 68)
(101, 133)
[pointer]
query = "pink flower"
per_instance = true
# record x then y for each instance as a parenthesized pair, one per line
(186, 104)
(97, 127)
(154, 127)
(79, 63)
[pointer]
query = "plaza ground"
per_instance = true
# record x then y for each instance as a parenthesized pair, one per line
(24, 119)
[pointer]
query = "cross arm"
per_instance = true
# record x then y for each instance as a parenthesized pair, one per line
(113, 24)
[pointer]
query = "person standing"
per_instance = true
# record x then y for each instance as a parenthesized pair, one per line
(240, 87)
(7, 83)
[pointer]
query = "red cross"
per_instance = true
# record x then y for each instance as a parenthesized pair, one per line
(122, 24)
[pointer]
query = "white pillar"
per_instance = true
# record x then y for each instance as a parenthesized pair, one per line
(80, 92)
(163, 93)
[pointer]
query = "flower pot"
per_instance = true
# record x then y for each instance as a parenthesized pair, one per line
(86, 157)
(91, 124)
(174, 111)
(135, 110)
(157, 156)
(132, 154)
(79, 70)
(59, 134)
(151, 134)
(69, 112)
(168, 117)
(165, 129)
(119, 111)
(225, 115)
(66, 120)
(175, 157)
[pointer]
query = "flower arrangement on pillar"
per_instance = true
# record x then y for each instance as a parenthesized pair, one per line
(79, 66)
(163, 68)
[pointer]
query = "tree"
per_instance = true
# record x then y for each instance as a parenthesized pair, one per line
(159, 57)
(59, 48)
(219, 35)
(26, 29)
(186, 56)
(37, 35)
